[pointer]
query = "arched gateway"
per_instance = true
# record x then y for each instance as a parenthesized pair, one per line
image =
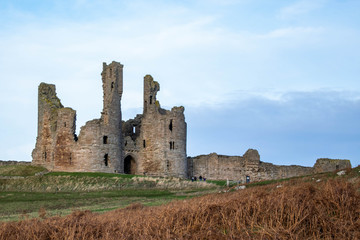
(129, 165)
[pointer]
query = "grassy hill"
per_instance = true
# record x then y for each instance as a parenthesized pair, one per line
(26, 189)
(322, 206)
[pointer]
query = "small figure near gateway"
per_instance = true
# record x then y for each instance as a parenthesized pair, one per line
(153, 143)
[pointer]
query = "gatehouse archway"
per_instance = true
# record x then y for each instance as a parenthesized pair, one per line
(129, 165)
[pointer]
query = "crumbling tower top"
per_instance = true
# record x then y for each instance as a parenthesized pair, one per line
(112, 79)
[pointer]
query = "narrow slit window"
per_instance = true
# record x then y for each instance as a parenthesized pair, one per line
(106, 159)
(112, 85)
(144, 143)
(134, 129)
(105, 139)
(150, 99)
(171, 145)
(110, 72)
(171, 125)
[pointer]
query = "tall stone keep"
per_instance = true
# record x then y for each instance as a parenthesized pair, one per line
(155, 142)
(99, 145)
(100, 140)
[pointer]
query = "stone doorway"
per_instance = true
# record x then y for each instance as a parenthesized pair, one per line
(129, 165)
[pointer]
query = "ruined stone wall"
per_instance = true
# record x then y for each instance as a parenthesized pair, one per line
(239, 168)
(329, 165)
(219, 167)
(13, 162)
(270, 171)
(98, 147)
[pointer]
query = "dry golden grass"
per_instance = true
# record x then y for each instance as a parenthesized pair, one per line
(297, 210)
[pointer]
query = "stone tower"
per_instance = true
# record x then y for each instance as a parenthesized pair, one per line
(99, 145)
(56, 137)
(155, 142)
(100, 140)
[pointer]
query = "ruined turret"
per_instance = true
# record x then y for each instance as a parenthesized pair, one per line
(98, 147)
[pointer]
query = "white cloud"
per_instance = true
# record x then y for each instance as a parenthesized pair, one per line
(300, 8)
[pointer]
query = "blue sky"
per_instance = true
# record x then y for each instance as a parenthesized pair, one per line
(278, 76)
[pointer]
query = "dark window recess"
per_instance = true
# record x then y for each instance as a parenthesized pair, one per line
(106, 159)
(172, 145)
(167, 164)
(70, 159)
(144, 143)
(337, 167)
(45, 155)
(150, 99)
(247, 179)
(105, 140)
(64, 124)
(110, 72)
(171, 125)
(112, 85)
(134, 129)
(125, 143)
(75, 137)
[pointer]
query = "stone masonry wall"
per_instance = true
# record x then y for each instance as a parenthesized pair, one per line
(220, 167)
(161, 143)
(328, 165)
(98, 147)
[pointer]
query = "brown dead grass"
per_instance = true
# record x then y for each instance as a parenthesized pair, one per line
(324, 210)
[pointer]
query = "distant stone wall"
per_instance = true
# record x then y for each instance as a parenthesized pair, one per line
(269, 171)
(329, 165)
(220, 167)
(249, 166)
(11, 162)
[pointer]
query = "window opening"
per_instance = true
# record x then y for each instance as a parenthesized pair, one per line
(171, 125)
(106, 159)
(125, 143)
(64, 124)
(150, 99)
(110, 72)
(144, 143)
(105, 140)
(170, 145)
(112, 85)
(337, 167)
(134, 129)
(45, 155)
(247, 179)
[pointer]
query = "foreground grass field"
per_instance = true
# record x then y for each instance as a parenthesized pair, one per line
(323, 206)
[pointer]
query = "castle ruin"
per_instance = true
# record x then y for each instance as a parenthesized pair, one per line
(153, 143)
